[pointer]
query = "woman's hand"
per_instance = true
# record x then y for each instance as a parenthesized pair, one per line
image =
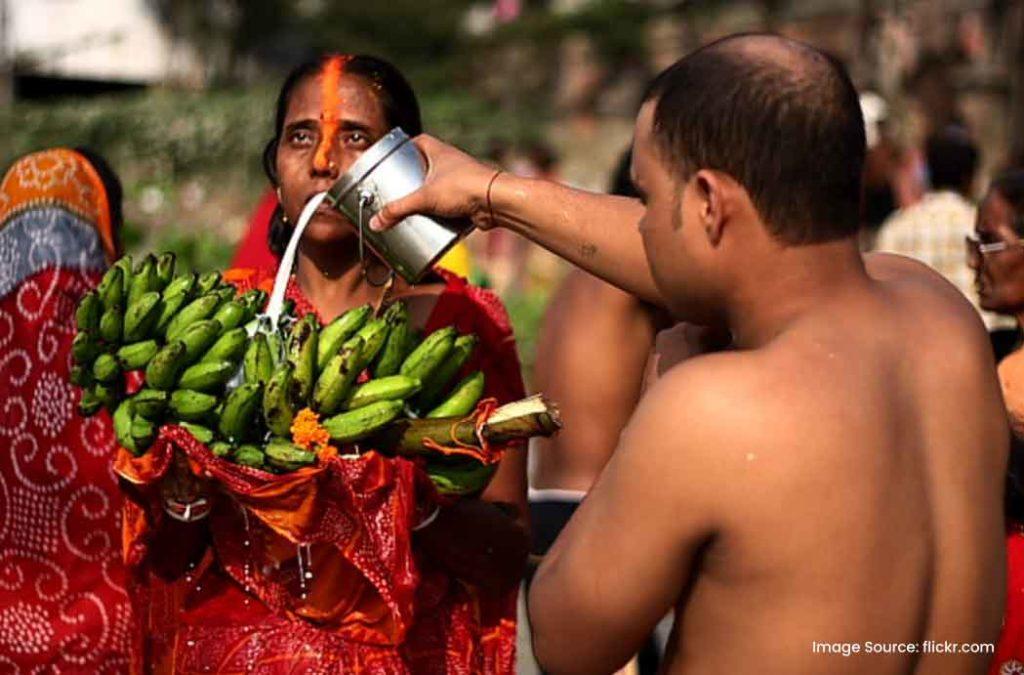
(456, 186)
(477, 542)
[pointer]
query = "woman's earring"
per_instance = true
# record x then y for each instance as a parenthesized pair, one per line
(284, 216)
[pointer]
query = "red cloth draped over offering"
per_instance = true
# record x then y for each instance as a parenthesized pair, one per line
(1009, 656)
(313, 571)
(63, 607)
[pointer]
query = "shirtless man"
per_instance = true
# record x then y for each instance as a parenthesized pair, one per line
(837, 477)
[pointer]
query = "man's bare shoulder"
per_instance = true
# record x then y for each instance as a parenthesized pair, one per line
(707, 412)
(945, 318)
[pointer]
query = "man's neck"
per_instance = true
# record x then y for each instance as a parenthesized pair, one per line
(791, 285)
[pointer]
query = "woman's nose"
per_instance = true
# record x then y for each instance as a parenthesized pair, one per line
(326, 169)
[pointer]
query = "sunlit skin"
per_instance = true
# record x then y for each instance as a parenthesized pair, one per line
(998, 276)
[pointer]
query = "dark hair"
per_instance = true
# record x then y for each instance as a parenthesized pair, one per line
(1010, 186)
(112, 185)
(952, 158)
(397, 100)
(622, 181)
(781, 118)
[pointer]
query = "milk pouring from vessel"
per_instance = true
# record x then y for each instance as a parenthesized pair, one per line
(390, 169)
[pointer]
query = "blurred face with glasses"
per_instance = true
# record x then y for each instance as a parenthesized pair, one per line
(996, 254)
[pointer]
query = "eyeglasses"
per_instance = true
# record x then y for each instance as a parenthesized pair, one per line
(978, 249)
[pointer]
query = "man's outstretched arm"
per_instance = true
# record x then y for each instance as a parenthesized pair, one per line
(593, 231)
(626, 555)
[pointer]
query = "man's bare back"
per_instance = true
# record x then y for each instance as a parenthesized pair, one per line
(851, 485)
(828, 484)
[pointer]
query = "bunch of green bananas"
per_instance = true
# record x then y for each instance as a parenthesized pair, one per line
(186, 333)
(192, 335)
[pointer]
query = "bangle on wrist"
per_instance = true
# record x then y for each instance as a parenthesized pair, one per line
(490, 184)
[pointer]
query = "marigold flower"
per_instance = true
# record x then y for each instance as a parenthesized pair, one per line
(307, 432)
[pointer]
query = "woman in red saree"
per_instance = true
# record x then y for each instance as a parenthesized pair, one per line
(437, 599)
(63, 606)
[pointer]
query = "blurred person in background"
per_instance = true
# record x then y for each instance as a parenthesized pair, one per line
(63, 606)
(996, 254)
(880, 167)
(932, 230)
(466, 558)
(593, 344)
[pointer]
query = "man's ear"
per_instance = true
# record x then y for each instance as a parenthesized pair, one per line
(713, 199)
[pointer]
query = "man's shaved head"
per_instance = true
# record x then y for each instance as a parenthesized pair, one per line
(781, 118)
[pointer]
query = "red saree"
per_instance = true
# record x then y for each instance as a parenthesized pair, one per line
(319, 573)
(63, 607)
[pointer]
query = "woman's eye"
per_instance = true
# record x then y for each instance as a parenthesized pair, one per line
(300, 137)
(357, 139)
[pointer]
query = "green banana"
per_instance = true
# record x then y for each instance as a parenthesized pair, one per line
(198, 431)
(239, 414)
(362, 422)
(254, 299)
(221, 449)
(150, 403)
(232, 314)
(258, 363)
(198, 337)
(89, 404)
(84, 349)
(125, 265)
(80, 376)
(208, 282)
(394, 350)
(335, 382)
(301, 353)
(463, 398)
(144, 280)
(165, 268)
(141, 317)
(249, 455)
(283, 454)
(111, 324)
(373, 334)
(184, 284)
(429, 354)
(278, 409)
(192, 406)
(162, 371)
(143, 433)
(122, 419)
(336, 332)
(391, 388)
(108, 393)
(105, 368)
(230, 346)
(170, 305)
(460, 477)
(436, 385)
(207, 376)
(137, 355)
(87, 315)
(226, 294)
(199, 309)
(111, 288)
